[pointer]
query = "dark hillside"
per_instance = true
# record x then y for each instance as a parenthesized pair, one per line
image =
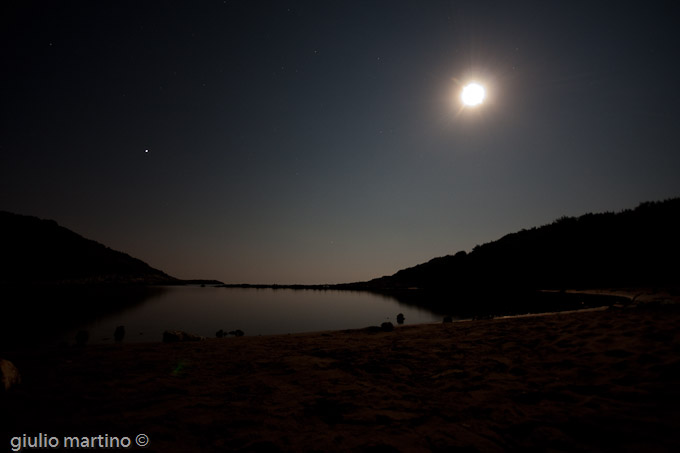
(639, 247)
(40, 251)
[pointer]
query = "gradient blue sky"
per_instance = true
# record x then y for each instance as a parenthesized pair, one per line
(323, 141)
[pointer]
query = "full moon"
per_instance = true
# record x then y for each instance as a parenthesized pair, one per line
(473, 94)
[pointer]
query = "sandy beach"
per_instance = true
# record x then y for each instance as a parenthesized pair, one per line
(604, 380)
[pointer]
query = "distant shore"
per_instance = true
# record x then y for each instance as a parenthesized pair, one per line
(603, 380)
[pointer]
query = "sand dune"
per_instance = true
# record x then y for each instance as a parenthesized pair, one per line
(599, 381)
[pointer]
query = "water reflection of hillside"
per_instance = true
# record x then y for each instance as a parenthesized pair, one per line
(472, 304)
(33, 315)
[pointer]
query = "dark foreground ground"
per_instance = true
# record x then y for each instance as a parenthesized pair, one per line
(605, 380)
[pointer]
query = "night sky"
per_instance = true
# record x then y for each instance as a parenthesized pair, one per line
(325, 141)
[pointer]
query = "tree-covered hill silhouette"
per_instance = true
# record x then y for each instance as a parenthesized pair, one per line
(634, 248)
(34, 250)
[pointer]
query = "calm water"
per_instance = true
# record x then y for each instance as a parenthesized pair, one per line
(203, 311)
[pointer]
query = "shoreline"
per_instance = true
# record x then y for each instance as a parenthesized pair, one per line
(601, 380)
(64, 313)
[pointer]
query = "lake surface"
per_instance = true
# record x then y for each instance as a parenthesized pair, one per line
(205, 310)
